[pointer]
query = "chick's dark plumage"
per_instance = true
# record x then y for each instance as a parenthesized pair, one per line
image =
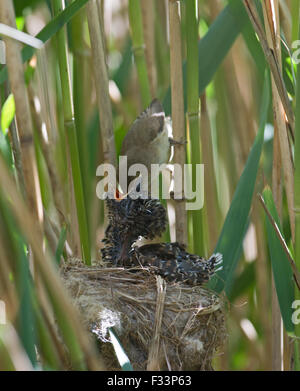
(128, 220)
(173, 262)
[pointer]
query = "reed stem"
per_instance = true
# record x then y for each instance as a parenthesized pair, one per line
(147, 8)
(70, 129)
(193, 113)
(23, 116)
(178, 120)
(271, 18)
(101, 83)
(136, 27)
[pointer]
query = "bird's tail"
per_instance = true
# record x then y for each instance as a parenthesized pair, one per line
(216, 261)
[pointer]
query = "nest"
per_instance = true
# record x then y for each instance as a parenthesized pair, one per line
(161, 326)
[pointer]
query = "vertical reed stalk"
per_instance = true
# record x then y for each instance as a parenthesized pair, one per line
(227, 167)
(272, 34)
(178, 121)
(286, 21)
(161, 14)
(101, 83)
(237, 77)
(281, 103)
(70, 130)
(136, 26)
(23, 116)
(80, 65)
(161, 46)
(16, 148)
(295, 4)
(271, 58)
(147, 8)
(48, 153)
(212, 206)
(191, 27)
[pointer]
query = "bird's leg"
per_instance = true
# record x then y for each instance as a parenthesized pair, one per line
(176, 142)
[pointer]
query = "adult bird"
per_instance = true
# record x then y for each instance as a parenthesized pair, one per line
(147, 141)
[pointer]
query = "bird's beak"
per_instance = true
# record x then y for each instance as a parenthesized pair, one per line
(118, 195)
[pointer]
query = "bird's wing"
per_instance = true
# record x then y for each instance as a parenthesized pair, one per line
(145, 128)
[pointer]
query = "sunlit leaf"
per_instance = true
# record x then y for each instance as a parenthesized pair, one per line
(120, 352)
(7, 113)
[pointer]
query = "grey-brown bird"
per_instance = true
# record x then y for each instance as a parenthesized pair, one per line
(147, 141)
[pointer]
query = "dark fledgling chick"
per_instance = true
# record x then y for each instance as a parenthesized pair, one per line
(128, 220)
(147, 141)
(174, 263)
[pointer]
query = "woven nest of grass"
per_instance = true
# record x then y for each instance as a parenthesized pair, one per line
(161, 326)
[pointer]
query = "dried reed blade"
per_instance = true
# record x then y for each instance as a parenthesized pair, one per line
(154, 351)
(48, 153)
(270, 9)
(272, 61)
